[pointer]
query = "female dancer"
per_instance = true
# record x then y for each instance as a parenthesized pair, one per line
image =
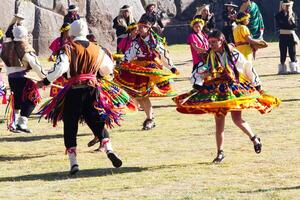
(142, 73)
(226, 82)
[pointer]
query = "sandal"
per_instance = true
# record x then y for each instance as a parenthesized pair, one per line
(257, 147)
(220, 157)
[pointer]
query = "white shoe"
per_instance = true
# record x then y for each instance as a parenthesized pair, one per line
(294, 67)
(282, 69)
(22, 125)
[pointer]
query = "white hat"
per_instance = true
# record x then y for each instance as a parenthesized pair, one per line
(287, 2)
(79, 28)
(19, 32)
(203, 7)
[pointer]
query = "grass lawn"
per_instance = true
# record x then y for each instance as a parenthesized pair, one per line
(172, 161)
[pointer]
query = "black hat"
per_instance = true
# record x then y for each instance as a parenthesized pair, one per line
(125, 7)
(230, 3)
(72, 8)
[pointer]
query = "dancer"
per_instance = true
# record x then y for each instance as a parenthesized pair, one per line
(243, 39)
(197, 40)
(86, 96)
(226, 82)
(143, 72)
(288, 39)
(19, 58)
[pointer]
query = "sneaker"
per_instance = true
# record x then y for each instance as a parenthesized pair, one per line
(148, 124)
(74, 169)
(25, 130)
(220, 157)
(116, 161)
(258, 146)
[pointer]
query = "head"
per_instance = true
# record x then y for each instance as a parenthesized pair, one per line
(79, 28)
(73, 9)
(204, 11)
(216, 40)
(144, 28)
(197, 25)
(92, 38)
(64, 30)
(151, 7)
(245, 1)
(125, 11)
(287, 5)
(243, 18)
(132, 30)
(20, 33)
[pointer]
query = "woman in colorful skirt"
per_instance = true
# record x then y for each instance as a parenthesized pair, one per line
(197, 40)
(226, 82)
(143, 73)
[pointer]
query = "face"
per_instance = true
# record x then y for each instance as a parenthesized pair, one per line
(143, 30)
(229, 8)
(125, 13)
(216, 44)
(197, 27)
(204, 12)
(286, 8)
(246, 21)
(134, 33)
(151, 8)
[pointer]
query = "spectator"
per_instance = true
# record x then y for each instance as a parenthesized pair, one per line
(153, 17)
(204, 13)
(72, 14)
(229, 15)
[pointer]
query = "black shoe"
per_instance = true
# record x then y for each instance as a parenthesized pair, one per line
(220, 157)
(258, 146)
(74, 169)
(148, 124)
(14, 130)
(116, 161)
(25, 130)
(94, 141)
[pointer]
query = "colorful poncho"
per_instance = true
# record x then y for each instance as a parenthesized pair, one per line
(221, 87)
(256, 23)
(111, 101)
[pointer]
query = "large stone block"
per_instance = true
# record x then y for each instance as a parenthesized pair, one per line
(7, 12)
(48, 4)
(27, 9)
(46, 29)
(100, 15)
(167, 6)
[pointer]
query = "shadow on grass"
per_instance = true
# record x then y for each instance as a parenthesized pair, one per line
(165, 106)
(16, 158)
(24, 138)
(182, 79)
(290, 100)
(86, 173)
(273, 189)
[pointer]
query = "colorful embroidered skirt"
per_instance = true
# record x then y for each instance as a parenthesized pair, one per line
(111, 101)
(145, 78)
(220, 97)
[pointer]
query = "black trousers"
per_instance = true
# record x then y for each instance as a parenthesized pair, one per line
(228, 32)
(17, 86)
(287, 43)
(79, 103)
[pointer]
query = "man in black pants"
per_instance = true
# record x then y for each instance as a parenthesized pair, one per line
(286, 22)
(82, 63)
(19, 58)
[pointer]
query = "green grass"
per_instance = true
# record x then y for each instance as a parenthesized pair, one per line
(172, 161)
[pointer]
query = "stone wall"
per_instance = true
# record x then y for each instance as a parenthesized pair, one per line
(44, 17)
